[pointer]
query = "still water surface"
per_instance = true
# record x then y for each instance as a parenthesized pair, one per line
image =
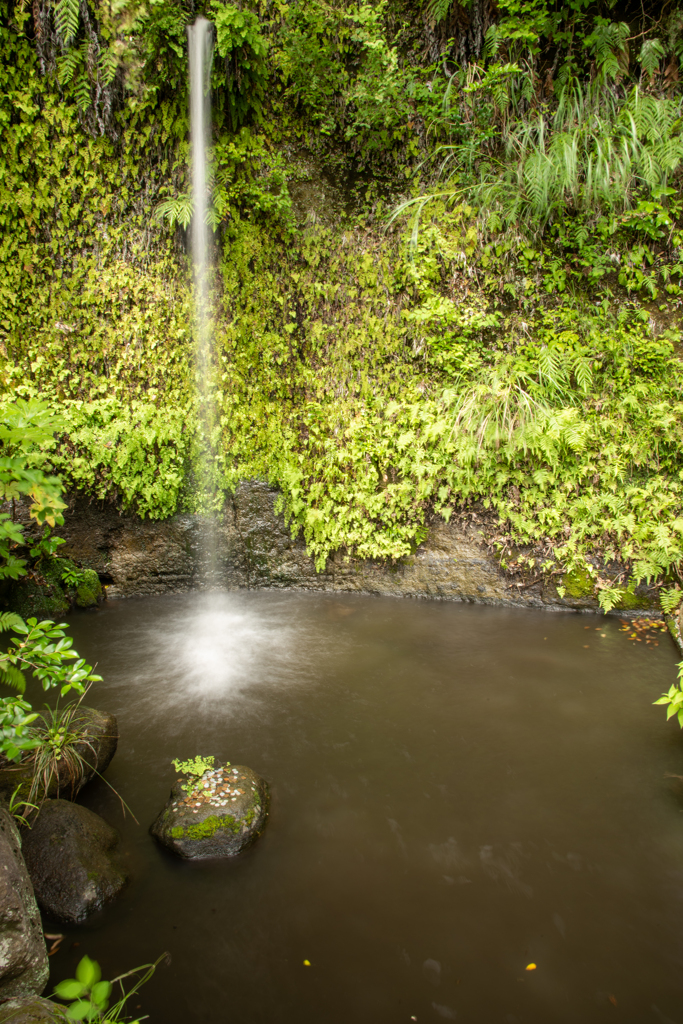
(457, 792)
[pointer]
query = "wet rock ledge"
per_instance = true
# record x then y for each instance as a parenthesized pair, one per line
(135, 557)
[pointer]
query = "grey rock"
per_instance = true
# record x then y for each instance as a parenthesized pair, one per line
(32, 1010)
(225, 814)
(23, 955)
(71, 858)
(100, 735)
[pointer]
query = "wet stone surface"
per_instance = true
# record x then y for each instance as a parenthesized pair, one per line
(72, 860)
(31, 1010)
(224, 812)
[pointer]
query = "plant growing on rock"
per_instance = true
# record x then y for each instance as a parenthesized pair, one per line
(195, 768)
(58, 740)
(15, 805)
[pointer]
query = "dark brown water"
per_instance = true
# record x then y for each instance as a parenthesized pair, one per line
(456, 792)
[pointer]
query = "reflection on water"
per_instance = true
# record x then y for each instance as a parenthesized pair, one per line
(457, 792)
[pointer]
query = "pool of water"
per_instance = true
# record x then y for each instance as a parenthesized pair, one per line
(457, 792)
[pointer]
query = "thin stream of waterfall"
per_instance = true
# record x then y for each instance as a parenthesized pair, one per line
(200, 46)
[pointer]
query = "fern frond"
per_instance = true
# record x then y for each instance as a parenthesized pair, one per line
(107, 66)
(10, 620)
(176, 211)
(436, 10)
(82, 91)
(66, 19)
(67, 65)
(651, 52)
(11, 676)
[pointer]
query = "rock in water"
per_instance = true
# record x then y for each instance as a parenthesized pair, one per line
(23, 956)
(32, 1010)
(70, 857)
(223, 813)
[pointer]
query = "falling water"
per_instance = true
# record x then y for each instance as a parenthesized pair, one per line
(200, 45)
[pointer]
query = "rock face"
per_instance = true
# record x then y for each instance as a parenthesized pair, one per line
(100, 735)
(23, 956)
(254, 548)
(224, 814)
(32, 1010)
(70, 856)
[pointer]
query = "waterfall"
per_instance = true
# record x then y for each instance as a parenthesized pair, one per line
(200, 46)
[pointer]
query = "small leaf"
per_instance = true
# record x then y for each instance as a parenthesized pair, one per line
(79, 1010)
(70, 989)
(88, 972)
(100, 993)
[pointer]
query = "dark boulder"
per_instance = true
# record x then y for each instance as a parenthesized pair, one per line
(224, 813)
(99, 736)
(32, 1010)
(70, 856)
(23, 956)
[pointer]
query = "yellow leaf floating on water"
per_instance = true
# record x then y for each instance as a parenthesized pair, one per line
(307, 963)
(530, 967)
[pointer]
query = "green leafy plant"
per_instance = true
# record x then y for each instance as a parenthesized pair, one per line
(61, 751)
(73, 577)
(14, 808)
(89, 997)
(670, 599)
(243, 47)
(16, 735)
(673, 699)
(195, 768)
(44, 650)
(27, 428)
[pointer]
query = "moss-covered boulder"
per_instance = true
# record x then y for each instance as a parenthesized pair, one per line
(70, 853)
(98, 737)
(52, 588)
(89, 590)
(32, 1010)
(222, 814)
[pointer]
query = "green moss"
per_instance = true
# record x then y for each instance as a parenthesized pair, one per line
(43, 594)
(634, 602)
(207, 828)
(578, 583)
(89, 591)
(46, 594)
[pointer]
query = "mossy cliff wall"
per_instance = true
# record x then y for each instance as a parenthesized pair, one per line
(384, 379)
(255, 549)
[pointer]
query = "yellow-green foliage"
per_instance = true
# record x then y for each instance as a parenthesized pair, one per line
(373, 381)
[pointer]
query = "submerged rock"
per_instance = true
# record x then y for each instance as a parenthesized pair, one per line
(225, 812)
(23, 956)
(70, 856)
(99, 734)
(32, 1010)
